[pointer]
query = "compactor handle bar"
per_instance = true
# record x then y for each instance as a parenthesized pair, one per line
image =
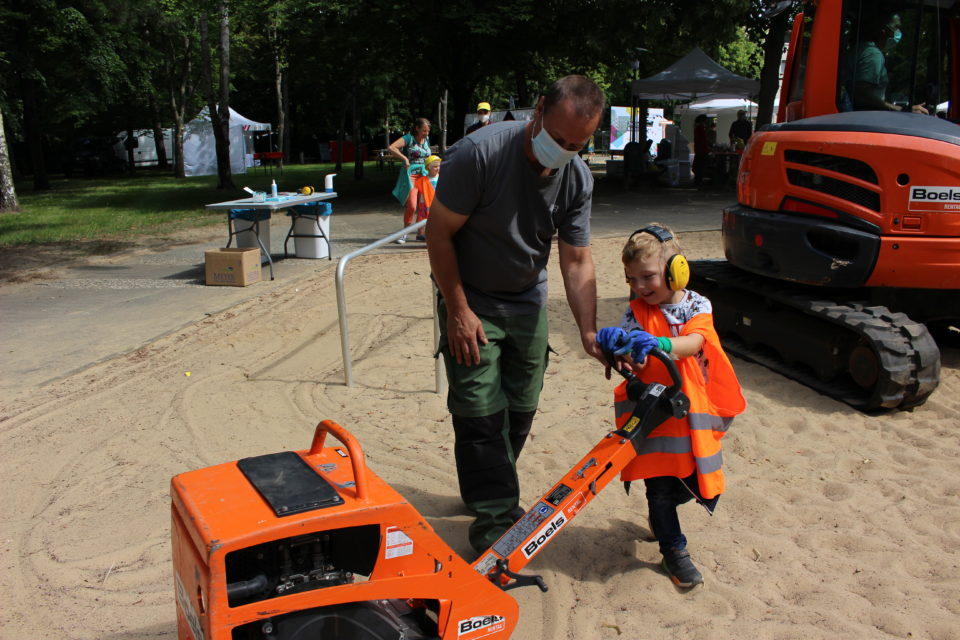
(353, 448)
(679, 403)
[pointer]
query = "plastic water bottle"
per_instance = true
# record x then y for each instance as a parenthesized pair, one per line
(273, 189)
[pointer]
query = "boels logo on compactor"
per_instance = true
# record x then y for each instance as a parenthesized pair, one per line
(532, 547)
(480, 626)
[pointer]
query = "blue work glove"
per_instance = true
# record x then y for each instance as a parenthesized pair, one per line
(614, 340)
(641, 343)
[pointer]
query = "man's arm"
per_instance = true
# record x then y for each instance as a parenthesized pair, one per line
(464, 328)
(580, 283)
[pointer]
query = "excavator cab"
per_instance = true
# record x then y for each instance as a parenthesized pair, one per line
(844, 244)
(859, 55)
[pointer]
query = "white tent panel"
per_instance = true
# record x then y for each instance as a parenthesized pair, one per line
(722, 104)
(200, 149)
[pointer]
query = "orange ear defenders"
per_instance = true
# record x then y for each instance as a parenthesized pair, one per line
(677, 272)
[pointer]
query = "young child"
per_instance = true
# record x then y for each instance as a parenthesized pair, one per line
(681, 459)
(433, 169)
(425, 198)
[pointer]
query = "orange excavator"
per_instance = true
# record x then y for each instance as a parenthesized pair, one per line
(843, 251)
(310, 545)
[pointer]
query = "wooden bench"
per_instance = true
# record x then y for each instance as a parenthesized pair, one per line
(383, 156)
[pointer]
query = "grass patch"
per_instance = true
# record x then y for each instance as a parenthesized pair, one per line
(103, 211)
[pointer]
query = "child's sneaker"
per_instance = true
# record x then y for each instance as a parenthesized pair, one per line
(680, 568)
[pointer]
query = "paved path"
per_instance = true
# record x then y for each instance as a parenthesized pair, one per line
(52, 328)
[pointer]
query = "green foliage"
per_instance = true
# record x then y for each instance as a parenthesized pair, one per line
(386, 60)
(742, 56)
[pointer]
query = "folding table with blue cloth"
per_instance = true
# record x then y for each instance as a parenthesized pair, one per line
(249, 214)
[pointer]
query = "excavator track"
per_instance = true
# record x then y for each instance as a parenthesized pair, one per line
(864, 355)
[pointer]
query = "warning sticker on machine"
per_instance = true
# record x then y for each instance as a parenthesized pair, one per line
(522, 528)
(543, 535)
(934, 199)
(398, 543)
(186, 607)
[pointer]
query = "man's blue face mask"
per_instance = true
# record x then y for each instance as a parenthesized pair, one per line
(894, 39)
(547, 152)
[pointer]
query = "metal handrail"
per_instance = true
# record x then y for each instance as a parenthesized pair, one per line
(342, 306)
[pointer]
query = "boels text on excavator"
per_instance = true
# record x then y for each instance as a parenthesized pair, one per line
(843, 251)
(312, 545)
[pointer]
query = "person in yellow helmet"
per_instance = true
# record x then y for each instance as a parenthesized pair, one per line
(483, 118)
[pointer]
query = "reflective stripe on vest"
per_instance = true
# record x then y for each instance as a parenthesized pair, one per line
(711, 409)
(707, 421)
(662, 453)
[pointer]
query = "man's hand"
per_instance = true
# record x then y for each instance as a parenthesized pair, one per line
(627, 349)
(590, 345)
(464, 335)
(616, 342)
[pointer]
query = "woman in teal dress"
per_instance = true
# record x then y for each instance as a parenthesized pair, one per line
(413, 149)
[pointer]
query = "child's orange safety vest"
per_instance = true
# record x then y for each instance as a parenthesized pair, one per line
(425, 187)
(678, 447)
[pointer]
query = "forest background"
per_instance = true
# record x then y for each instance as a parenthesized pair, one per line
(322, 70)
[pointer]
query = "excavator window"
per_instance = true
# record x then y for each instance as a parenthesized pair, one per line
(799, 71)
(894, 55)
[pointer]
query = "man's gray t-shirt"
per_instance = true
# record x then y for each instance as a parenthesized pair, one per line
(503, 248)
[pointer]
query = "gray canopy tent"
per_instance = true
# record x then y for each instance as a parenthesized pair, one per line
(694, 76)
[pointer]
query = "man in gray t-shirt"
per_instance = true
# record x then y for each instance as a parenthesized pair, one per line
(506, 189)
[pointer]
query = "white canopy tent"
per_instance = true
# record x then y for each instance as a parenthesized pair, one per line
(200, 149)
(723, 109)
(694, 76)
(720, 104)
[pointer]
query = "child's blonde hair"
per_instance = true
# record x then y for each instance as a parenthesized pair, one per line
(642, 244)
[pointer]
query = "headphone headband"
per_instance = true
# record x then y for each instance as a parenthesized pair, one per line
(659, 233)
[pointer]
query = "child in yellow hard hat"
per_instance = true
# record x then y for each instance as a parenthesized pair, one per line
(425, 199)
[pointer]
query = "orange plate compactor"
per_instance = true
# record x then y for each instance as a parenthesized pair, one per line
(313, 545)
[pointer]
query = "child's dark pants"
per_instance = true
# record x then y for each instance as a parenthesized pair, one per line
(664, 495)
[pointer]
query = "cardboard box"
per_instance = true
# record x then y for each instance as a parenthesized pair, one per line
(232, 267)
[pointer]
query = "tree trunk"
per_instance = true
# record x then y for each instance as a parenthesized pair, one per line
(461, 100)
(223, 166)
(357, 139)
(278, 88)
(340, 137)
(179, 171)
(386, 127)
(442, 120)
(32, 129)
(770, 73)
(220, 124)
(182, 87)
(287, 121)
(8, 192)
(130, 145)
(158, 135)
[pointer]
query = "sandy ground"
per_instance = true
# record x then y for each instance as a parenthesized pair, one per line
(835, 524)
